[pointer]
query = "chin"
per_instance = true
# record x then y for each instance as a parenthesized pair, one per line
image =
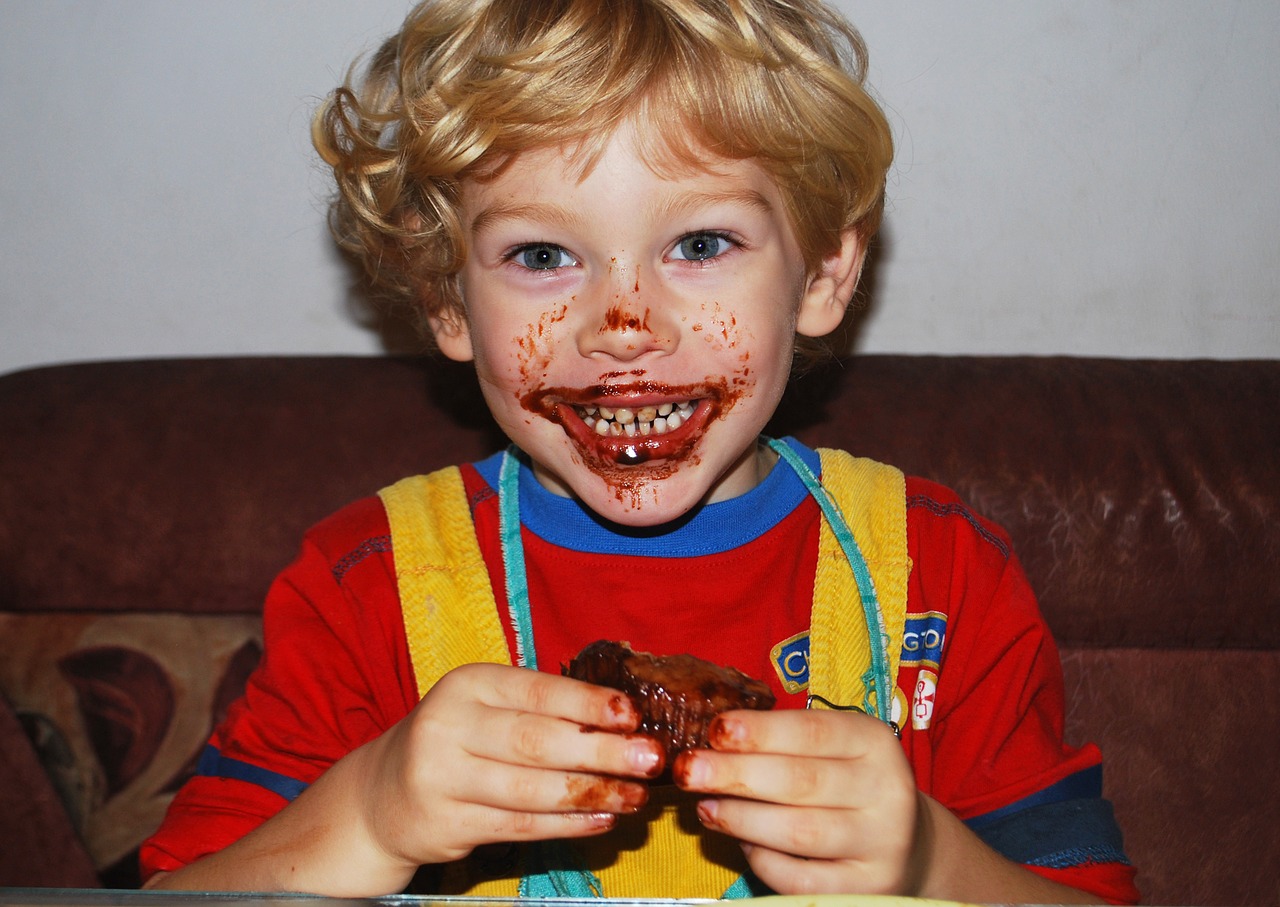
(642, 484)
(637, 502)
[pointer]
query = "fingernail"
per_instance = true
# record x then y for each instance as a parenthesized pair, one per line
(709, 813)
(724, 732)
(644, 758)
(602, 821)
(689, 771)
(634, 797)
(622, 711)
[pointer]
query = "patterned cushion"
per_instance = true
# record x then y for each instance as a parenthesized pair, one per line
(117, 708)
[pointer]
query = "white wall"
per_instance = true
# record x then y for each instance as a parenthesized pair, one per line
(1093, 177)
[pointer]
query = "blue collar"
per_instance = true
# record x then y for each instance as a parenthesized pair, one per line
(709, 529)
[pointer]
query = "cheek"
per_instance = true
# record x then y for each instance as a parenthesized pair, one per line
(750, 344)
(718, 328)
(525, 352)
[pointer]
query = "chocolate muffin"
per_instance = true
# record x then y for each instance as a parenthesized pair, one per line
(676, 695)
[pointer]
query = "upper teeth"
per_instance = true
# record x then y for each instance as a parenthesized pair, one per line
(643, 420)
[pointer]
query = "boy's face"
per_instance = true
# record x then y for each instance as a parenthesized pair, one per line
(633, 332)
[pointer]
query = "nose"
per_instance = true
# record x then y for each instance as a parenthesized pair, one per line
(626, 323)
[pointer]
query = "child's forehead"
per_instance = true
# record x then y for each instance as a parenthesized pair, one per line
(671, 151)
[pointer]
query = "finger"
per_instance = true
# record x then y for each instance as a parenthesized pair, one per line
(550, 694)
(792, 780)
(788, 874)
(528, 790)
(778, 779)
(481, 825)
(530, 739)
(805, 832)
(807, 732)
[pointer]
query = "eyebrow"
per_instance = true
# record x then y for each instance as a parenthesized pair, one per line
(541, 212)
(559, 215)
(689, 202)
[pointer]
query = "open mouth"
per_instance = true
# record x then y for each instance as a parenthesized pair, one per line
(621, 426)
(632, 435)
(618, 426)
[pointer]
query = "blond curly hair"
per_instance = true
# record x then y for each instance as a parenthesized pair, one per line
(467, 84)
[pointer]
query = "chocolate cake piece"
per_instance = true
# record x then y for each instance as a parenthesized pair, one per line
(676, 695)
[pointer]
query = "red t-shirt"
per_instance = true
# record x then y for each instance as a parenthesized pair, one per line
(979, 691)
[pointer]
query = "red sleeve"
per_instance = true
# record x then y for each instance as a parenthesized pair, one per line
(985, 704)
(335, 674)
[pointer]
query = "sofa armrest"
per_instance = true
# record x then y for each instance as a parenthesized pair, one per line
(38, 846)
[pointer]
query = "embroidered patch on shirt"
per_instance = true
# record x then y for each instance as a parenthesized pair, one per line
(922, 700)
(922, 639)
(899, 707)
(791, 661)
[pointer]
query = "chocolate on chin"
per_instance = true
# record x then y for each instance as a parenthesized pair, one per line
(677, 695)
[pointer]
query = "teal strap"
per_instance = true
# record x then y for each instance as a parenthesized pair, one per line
(747, 886)
(513, 559)
(554, 869)
(542, 881)
(880, 681)
(739, 889)
(573, 879)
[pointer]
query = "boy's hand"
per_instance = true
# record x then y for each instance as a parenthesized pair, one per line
(822, 801)
(491, 754)
(497, 754)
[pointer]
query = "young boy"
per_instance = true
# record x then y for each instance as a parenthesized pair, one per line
(625, 213)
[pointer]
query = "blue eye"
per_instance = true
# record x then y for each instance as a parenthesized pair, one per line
(700, 247)
(543, 257)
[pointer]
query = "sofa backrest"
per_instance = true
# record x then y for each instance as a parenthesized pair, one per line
(1143, 499)
(145, 507)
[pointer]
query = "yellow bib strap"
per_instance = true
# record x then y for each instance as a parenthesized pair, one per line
(872, 498)
(450, 615)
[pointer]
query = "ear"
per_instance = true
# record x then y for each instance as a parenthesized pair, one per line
(829, 291)
(453, 334)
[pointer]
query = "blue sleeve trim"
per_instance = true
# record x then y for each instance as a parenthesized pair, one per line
(1058, 835)
(1082, 785)
(213, 764)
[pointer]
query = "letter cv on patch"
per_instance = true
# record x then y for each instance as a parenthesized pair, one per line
(791, 661)
(922, 639)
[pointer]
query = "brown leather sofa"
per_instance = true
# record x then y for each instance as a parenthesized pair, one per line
(145, 506)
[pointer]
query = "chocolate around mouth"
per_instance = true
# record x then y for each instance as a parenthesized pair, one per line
(623, 435)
